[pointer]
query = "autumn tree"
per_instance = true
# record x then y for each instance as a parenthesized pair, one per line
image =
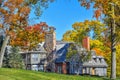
(29, 37)
(82, 29)
(68, 36)
(109, 8)
(13, 15)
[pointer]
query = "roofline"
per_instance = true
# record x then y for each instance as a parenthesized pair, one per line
(98, 66)
(28, 52)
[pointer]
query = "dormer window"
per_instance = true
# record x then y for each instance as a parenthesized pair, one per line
(97, 60)
(102, 60)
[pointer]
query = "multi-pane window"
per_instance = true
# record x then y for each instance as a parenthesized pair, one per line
(35, 57)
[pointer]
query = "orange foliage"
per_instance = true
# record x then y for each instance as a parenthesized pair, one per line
(30, 36)
(100, 6)
(99, 51)
(97, 13)
(14, 14)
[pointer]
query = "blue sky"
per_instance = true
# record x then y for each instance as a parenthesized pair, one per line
(62, 14)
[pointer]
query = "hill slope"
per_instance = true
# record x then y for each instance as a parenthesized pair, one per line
(14, 74)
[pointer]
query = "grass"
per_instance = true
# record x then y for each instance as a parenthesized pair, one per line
(15, 74)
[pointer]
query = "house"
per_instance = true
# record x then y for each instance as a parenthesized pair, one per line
(96, 65)
(34, 60)
(51, 57)
(39, 59)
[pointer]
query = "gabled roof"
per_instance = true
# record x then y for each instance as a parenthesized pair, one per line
(39, 49)
(61, 50)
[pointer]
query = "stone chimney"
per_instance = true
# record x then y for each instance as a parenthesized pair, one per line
(86, 43)
(50, 40)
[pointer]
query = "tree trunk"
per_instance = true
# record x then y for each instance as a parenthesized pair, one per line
(3, 49)
(113, 49)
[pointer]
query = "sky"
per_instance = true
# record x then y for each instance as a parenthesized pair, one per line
(61, 14)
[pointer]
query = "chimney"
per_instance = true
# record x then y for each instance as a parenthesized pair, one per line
(86, 43)
(50, 40)
(52, 31)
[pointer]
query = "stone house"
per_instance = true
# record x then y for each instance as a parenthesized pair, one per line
(52, 57)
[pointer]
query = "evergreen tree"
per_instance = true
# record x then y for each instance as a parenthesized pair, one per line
(6, 59)
(15, 59)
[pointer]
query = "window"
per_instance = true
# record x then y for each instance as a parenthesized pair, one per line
(35, 57)
(41, 67)
(28, 58)
(28, 67)
(59, 69)
(35, 67)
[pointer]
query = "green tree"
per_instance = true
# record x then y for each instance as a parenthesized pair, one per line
(74, 49)
(14, 59)
(6, 59)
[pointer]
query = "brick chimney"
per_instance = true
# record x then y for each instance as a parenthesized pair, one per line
(50, 39)
(86, 43)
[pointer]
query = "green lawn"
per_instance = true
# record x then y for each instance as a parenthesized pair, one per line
(14, 74)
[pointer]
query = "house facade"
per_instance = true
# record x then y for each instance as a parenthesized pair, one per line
(34, 60)
(52, 58)
(96, 65)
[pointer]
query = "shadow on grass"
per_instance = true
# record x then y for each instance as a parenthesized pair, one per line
(103, 78)
(107, 78)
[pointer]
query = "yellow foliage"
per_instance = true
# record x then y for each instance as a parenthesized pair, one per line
(118, 59)
(98, 51)
(96, 44)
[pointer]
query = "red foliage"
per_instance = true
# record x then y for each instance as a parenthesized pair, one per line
(97, 13)
(30, 36)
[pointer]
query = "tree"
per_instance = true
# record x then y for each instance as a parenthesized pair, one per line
(68, 36)
(6, 59)
(13, 15)
(74, 49)
(82, 29)
(15, 59)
